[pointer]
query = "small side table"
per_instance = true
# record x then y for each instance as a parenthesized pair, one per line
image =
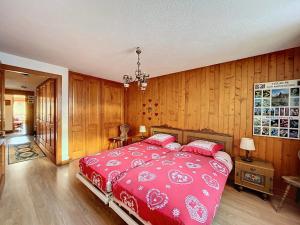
(137, 138)
(291, 181)
(257, 175)
(115, 141)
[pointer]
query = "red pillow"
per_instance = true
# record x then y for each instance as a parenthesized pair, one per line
(202, 147)
(160, 139)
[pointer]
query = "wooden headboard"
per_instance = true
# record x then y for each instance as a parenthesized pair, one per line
(177, 133)
(209, 135)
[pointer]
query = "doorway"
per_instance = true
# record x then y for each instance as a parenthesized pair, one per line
(18, 113)
(41, 128)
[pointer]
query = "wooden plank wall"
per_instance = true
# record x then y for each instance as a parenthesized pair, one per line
(219, 97)
(96, 110)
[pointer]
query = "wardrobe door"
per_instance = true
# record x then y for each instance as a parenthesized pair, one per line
(77, 109)
(112, 110)
(46, 118)
(50, 116)
(37, 113)
(92, 101)
(43, 115)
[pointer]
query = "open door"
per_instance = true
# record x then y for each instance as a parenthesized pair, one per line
(2, 90)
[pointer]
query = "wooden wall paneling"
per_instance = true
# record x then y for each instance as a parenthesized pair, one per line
(213, 97)
(150, 97)
(193, 100)
(220, 97)
(169, 104)
(204, 93)
(249, 118)
(221, 100)
(237, 106)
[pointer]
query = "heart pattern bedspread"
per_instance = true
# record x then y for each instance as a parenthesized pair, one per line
(181, 188)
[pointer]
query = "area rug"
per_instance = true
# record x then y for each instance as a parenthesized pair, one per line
(23, 152)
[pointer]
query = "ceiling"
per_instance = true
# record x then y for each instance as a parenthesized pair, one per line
(14, 80)
(99, 37)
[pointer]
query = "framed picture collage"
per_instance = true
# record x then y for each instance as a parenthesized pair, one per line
(276, 109)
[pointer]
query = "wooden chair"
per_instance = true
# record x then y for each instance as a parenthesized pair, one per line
(291, 181)
(119, 141)
(124, 128)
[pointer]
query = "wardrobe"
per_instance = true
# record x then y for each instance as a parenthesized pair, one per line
(95, 113)
(46, 117)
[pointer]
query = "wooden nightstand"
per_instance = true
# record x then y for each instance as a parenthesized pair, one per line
(137, 138)
(257, 175)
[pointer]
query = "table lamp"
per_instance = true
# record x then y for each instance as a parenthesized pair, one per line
(142, 130)
(248, 145)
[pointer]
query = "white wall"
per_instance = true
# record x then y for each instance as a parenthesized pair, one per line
(8, 113)
(49, 68)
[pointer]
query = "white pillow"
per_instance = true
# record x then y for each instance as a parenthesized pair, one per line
(174, 146)
(224, 158)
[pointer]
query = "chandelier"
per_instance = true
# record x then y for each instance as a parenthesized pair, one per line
(140, 77)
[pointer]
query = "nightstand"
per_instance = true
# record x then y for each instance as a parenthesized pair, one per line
(137, 138)
(257, 175)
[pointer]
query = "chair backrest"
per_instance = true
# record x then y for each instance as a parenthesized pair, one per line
(124, 128)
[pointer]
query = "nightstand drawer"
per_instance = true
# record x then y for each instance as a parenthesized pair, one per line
(254, 169)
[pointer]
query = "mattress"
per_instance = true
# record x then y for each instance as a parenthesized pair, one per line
(181, 188)
(105, 168)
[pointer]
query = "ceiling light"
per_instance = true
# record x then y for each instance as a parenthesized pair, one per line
(140, 77)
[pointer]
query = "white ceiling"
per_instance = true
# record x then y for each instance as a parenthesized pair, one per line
(15, 81)
(99, 37)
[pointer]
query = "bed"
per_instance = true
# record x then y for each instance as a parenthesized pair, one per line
(182, 188)
(171, 188)
(99, 172)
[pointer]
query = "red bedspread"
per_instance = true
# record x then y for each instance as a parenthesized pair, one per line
(105, 168)
(182, 188)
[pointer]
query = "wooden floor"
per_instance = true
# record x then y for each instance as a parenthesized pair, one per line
(37, 192)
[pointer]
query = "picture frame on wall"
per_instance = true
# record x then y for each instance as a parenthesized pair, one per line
(276, 109)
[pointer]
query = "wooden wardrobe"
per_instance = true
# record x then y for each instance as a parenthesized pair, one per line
(46, 117)
(95, 113)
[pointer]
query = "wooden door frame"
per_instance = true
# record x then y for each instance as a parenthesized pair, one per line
(58, 102)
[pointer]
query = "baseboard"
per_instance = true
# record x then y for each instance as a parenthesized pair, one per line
(46, 151)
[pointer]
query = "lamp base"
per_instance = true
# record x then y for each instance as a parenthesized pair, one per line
(247, 159)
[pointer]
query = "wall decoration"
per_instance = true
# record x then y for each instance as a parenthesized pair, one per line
(150, 110)
(276, 109)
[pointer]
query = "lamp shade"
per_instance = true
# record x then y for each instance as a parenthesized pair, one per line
(247, 144)
(143, 129)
